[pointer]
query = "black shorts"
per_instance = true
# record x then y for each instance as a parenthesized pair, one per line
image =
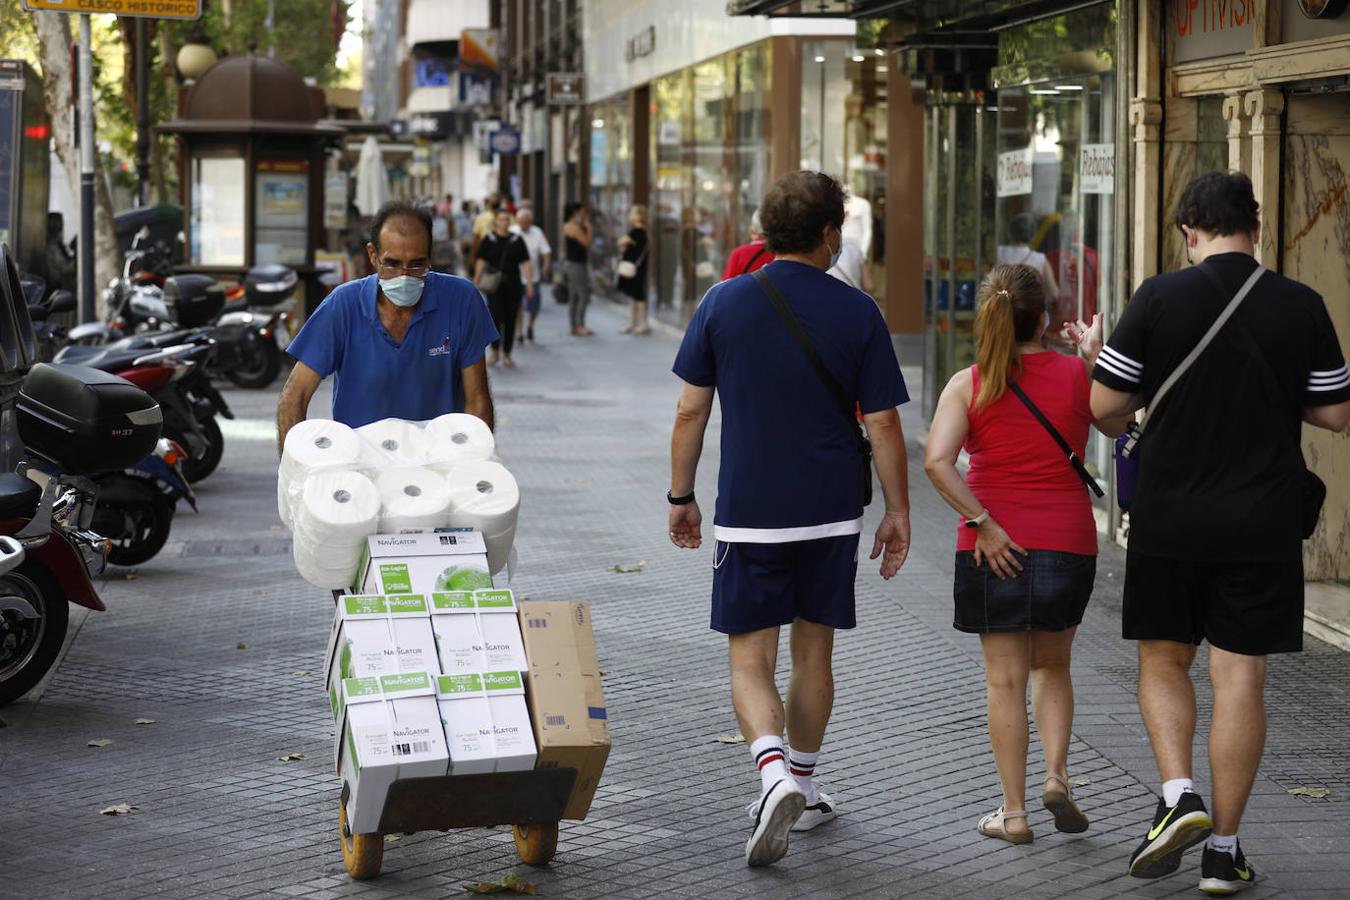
(1049, 594)
(757, 586)
(1253, 608)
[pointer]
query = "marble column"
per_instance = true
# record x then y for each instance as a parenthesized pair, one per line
(1146, 123)
(1239, 150)
(1264, 108)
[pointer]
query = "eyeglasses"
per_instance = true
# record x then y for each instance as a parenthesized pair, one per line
(394, 268)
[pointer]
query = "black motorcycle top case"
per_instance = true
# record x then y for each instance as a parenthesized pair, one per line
(194, 299)
(86, 421)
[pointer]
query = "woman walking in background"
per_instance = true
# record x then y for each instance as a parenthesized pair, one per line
(577, 238)
(633, 248)
(502, 272)
(1027, 543)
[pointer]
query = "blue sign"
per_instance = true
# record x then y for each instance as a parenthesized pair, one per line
(431, 73)
(475, 90)
(505, 140)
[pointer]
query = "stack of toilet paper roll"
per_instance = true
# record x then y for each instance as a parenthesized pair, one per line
(412, 497)
(312, 446)
(335, 513)
(458, 438)
(393, 442)
(484, 496)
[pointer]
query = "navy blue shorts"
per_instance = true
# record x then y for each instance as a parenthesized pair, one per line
(757, 586)
(1049, 594)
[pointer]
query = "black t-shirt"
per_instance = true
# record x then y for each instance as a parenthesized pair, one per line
(505, 254)
(1220, 462)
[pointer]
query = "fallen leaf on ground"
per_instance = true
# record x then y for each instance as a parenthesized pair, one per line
(390, 838)
(291, 757)
(1317, 793)
(302, 673)
(132, 576)
(622, 570)
(145, 721)
(511, 884)
(1079, 782)
(120, 809)
(241, 646)
(725, 738)
(99, 742)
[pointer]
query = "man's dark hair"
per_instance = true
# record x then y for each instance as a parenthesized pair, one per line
(1220, 203)
(570, 209)
(398, 209)
(797, 208)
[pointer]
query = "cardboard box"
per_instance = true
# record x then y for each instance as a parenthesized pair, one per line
(375, 634)
(390, 729)
(486, 722)
(477, 632)
(452, 559)
(564, 694)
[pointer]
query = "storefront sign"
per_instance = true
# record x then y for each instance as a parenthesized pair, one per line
(475, 90)
(1014, 172)
(641, 44)
(1202, 29)
(478, 49)
(565, 89)
(505, 140)
(1097, 169)
(1317, 9)
(145, 9)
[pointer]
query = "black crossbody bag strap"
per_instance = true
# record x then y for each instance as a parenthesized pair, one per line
(1084, 475)
(751, 263)
(832, 384)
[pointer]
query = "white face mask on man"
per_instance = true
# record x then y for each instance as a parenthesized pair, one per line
(835, 253)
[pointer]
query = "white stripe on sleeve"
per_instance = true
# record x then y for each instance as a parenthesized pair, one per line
(1111, 367)
(1123, 362)
(1329, 379)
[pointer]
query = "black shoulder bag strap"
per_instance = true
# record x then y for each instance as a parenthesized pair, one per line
(832, 384)
(751, 263)
(1084, 475)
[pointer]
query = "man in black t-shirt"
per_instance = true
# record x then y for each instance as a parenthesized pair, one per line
(1215, 547)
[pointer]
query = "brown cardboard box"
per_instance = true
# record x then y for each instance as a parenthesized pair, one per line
(566, 700)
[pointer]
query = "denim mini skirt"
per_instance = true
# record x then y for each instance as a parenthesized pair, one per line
(1049, 594)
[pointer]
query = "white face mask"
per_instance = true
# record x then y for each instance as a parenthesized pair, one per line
(834, 254)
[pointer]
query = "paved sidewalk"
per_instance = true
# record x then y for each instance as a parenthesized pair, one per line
(220, 643)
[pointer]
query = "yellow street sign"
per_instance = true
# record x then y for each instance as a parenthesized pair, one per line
(149, 9)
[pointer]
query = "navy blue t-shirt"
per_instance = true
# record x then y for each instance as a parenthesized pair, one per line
(375, 378)
(790, 468)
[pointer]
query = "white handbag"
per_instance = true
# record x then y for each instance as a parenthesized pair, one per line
(629, 268)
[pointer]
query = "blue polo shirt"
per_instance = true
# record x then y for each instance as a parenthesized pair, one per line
(790, 467)
(376, 378)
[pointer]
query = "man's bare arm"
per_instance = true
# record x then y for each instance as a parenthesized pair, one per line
(686, 443)
(293, 404)
(1109, 403)
(477, 396)
(1332, 417)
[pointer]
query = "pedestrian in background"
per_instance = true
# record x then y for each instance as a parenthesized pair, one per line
(577, 238)
(464, 234)
(1026, 548)
(1221, 505)
(851, 269)
(790, 352)
(503, 272)
(541, 259)
(485, 221)
(751, 256)
(633, 248)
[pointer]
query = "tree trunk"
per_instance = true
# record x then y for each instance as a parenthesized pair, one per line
(53, 32)
(159, 160)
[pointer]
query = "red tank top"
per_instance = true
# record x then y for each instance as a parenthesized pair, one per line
(1018, 471)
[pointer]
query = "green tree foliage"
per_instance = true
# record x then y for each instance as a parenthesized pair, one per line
(301, 34)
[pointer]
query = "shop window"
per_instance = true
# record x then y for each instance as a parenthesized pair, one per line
(217, 214)
(281, 213)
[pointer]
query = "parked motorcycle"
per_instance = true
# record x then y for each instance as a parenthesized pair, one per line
(135, 507)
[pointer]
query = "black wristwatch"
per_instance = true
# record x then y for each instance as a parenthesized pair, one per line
(680, 501)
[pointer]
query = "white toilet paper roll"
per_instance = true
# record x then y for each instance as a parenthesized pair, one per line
(457, 438)
(311, 446)
(412, 498)
(337, 507)
(485, 496)
(339, 573)
(395, 442)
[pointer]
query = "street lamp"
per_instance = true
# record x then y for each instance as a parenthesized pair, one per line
(194, 59)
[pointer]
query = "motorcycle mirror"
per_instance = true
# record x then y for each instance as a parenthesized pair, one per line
(61, 301)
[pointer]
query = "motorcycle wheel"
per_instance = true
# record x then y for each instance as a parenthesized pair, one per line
(194, 469)
(137, 529)
(259, 363)
(29, 647)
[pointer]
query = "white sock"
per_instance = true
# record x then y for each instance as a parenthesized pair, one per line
(769, 757)
(1226, 843)
(1174, 788)
(802, 766)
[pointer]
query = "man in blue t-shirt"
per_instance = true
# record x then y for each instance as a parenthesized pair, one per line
(790, 491)
(404, 343)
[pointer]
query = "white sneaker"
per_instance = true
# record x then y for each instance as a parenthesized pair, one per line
(778, 812)
(818, 813)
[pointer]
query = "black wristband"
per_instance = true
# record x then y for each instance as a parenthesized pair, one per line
(680, 501)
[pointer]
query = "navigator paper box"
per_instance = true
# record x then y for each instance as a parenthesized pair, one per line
(378, 634)
(424, 562)
(487, 724)
(564, 695)
(477, 632)
(390, 729)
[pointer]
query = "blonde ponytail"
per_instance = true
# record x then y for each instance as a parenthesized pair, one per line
(1011, 301)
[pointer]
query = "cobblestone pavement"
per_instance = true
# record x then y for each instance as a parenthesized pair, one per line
(220, 643)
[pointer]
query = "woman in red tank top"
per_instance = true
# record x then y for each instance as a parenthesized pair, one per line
(1027, 540)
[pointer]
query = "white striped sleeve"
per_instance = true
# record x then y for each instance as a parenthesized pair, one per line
(1120, 365)
(1324, 380)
